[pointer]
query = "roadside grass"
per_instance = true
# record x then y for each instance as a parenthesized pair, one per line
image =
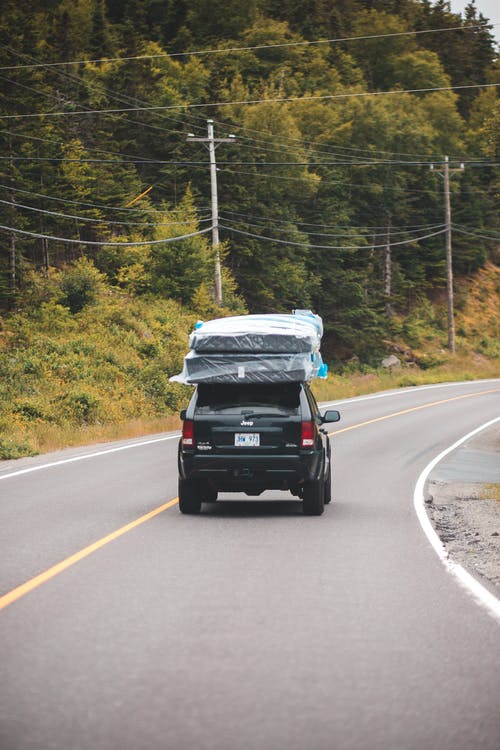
(37, 436)
(348, 385)
(491, 491)
(102, 374)
(44, 438)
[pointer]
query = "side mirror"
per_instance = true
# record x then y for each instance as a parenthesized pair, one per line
(332, 415)
(183, 414)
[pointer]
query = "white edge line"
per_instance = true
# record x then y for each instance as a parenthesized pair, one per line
(408, 389)
(465, 579)
(86, 455)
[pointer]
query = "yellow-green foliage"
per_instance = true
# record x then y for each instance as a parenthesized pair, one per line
(421, 344)
(108, 364)
(491, 491)
(102, 373)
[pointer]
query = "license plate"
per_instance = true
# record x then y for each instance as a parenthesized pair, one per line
(247, 439)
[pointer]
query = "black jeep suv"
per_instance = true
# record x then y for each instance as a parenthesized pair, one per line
(254, 437)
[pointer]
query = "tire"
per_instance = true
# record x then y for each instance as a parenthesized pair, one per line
(328, 485)
(313, 503)
(189, 496)
(210, 496)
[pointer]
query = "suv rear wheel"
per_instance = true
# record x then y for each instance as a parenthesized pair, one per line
(328, 485)
(313, 501)
(189, 496)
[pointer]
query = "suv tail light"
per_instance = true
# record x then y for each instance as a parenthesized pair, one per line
(188, 433)
(307, 435)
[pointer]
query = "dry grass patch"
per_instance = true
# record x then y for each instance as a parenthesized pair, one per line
(491, 491)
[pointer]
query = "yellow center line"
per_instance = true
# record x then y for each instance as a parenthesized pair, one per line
(38, 580)
(413, 408)
(63, 565)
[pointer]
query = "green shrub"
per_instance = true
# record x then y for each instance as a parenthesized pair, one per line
(80, 285)
(15, 448)
(29, 409)
(427, 361)
(407, 381)
(81, 406)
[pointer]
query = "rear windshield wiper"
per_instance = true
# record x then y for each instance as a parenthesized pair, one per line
(263, 414)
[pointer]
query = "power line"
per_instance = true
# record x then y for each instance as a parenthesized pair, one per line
(330, 247)
(188, 163)
(336, 235)
(273, 145)
(271, 100)
(475, 234)
(225, 50)
(351, 185)
(10, 188)
(101, 220)
(330, 226)
(104, 244)
(63, 143)
(87, 159)
(319, 148)
(101, 89)
(124, 98)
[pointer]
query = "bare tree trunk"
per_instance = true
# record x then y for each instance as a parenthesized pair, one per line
(13, 255)
(13, 264)
(45, 246)
(388, 270)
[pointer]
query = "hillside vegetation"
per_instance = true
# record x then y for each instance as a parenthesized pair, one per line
(327, 198)
(102, 372)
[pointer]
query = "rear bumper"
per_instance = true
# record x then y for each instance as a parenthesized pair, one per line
(245, 473)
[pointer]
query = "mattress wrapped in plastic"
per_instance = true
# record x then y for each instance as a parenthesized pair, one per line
(255, 349)
(246, 368)
(276, 334)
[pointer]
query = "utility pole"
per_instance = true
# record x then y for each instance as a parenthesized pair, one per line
(445, 171)
(212, 144)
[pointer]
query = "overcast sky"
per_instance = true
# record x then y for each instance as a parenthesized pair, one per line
(489, 8)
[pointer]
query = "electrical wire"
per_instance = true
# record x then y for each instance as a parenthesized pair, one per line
(100, 220)
(475, 234)
(273, 145)
(330, 247)
(330, 226)
(226, 50)
(322, 149)
(188, 163)
(124, 98)
(63, 143)
(327, 181)
(322, 234)
(270, 100)
(10, 188)
(103, 244)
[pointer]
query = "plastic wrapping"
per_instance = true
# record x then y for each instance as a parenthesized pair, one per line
(289, 334)
(255, 349)
(245, 368)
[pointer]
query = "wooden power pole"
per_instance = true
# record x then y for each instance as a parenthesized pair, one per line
(446, 171)
(212, 144)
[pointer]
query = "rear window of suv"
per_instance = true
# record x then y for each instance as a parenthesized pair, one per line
(245, 399)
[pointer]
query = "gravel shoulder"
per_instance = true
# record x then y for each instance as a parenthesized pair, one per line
(463, 503)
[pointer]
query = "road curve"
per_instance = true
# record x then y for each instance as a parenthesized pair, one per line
(250, 626)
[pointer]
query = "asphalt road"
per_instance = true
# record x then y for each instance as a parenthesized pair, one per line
(251, 626)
